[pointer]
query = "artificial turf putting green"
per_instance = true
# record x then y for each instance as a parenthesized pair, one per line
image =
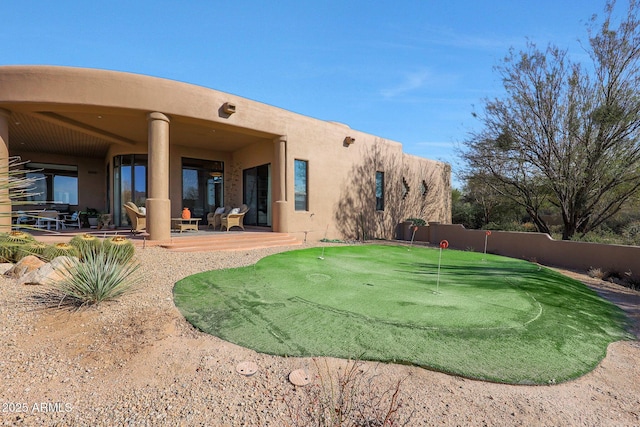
(488, 317)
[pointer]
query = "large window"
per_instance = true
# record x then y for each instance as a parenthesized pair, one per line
(379, 191)
(53, 183)
(300, 187)
(202, 184)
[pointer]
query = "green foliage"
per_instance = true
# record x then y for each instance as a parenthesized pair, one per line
(119, 247)
(631, 233)
(16, 237)
(60, 249)
(101, 276)
(416, 221)
(86, 242)
(7, 252)
(565, 134)
(32, 248)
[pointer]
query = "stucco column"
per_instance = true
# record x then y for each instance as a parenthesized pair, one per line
(158, 203)
(5, 202)
(280, 223)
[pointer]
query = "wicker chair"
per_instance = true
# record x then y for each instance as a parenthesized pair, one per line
(234, 219)
(137, 219)
(215, 219)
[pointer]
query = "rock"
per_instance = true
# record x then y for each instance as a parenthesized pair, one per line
(24, 266)
(48, 273)
(5, 266)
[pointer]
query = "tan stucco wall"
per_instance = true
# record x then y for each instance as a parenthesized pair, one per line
(341, 177)
(539, 247)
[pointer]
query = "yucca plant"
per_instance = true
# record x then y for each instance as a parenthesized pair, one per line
(86, 242)
(60, 249)
(99, 277)
(121, 248)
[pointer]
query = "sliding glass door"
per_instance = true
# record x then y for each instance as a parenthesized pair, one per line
(202, 186)
(257, 195)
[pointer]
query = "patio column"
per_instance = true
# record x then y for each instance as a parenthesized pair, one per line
(158, 203)
(280, 185)
(5, 202)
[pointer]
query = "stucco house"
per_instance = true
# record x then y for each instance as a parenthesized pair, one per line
(102, 138)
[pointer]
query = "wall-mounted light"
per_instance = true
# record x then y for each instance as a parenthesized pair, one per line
(348, 140)
(229, 108)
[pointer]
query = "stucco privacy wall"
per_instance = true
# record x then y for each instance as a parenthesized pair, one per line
(116, 108)
(541, 248)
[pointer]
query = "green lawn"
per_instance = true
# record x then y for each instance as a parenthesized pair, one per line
(489, 317)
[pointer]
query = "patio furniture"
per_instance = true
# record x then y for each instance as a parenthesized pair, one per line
(184, 224)
(214, 219)
(44, 219)
(137, 219)
(72, 220)
(234, 218)
(24, 219)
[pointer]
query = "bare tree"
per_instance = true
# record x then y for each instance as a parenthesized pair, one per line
(565, 134)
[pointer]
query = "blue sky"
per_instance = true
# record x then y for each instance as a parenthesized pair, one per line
(411, 71)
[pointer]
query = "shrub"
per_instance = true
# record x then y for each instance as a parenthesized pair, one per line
(101, 276)
(416, 221)
(351, 398)
(631, 233)
(596, 273)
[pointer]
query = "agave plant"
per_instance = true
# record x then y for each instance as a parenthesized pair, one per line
(101, 276)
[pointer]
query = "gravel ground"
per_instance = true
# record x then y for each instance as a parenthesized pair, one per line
(138, 362)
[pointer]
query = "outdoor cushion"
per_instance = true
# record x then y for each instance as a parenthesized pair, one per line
(234, 211)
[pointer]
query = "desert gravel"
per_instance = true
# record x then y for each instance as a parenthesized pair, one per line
(137, 362)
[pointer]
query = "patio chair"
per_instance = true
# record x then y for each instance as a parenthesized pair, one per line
(214, 219)
(72, 220)
(137, 219)
(234, 218)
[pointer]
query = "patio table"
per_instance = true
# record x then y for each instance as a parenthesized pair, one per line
(183, 224)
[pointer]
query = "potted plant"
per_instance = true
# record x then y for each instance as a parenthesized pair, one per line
(89, 218)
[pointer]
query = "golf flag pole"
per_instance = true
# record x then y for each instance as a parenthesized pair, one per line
(414, 228)
(486, 236)
(443, 245)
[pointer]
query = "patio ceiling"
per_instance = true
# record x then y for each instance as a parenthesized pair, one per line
(89, 133)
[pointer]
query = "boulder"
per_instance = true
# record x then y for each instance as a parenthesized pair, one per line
(49, 273)
(25, 266)
(5, 266)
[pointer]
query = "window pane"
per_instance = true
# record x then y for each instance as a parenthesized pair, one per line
(65, 189)
(379, 191)
(300, 187)
(39, 192)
